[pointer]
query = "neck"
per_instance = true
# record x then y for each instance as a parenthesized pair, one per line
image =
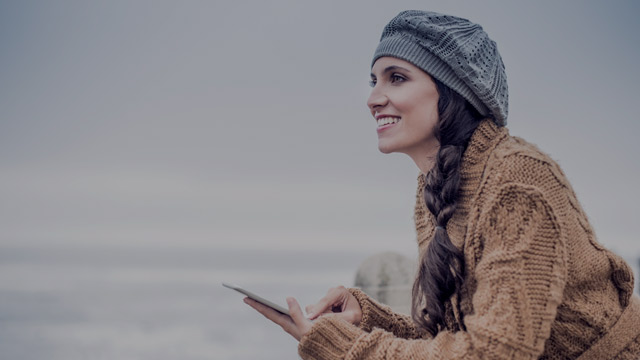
(425, 159)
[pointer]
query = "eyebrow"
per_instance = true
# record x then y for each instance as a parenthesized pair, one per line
(392, 68)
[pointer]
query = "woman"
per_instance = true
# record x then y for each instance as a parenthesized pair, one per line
(509, 265)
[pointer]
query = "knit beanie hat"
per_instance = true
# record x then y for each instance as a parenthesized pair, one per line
(453, 50)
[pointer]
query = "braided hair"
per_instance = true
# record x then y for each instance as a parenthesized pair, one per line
(441, 269)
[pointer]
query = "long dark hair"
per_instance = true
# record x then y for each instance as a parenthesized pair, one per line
(441, 268)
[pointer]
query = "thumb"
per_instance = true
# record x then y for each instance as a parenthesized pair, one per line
(296, 312)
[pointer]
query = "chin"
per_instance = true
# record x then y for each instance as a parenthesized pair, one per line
(385, 149)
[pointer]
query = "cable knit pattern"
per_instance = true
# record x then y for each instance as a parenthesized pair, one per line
(537, 283)
(381, 316)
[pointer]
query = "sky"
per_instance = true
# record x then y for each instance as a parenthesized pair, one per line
(243, 124)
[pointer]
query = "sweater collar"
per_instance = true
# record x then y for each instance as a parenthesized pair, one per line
(474, 160)
(484, 139)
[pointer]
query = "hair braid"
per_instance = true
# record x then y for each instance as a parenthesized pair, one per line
(441, 268)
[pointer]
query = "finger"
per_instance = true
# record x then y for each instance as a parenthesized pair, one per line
(311, 315)
(271, 314)
(332, 302)
(285, 321)
(324, 305)
(302, 324)
(295, 311)
(349, 316)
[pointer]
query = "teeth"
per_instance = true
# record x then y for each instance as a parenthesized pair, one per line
(387, 120)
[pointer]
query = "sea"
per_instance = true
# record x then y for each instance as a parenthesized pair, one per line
(152, 303)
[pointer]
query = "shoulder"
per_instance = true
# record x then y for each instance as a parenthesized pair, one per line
(520, 178)
(517, 152)
(515, 161)
(494, 158)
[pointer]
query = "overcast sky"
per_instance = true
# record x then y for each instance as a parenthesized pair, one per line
(243, 124)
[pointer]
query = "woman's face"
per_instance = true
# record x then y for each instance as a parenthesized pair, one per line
(404, 102)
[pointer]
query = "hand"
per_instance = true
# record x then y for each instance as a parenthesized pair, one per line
(339, 301)
(296, 324)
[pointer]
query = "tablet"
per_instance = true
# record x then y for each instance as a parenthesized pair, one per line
(258, 298)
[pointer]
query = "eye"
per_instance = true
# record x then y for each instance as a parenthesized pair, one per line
(372, 82)
(396, 78)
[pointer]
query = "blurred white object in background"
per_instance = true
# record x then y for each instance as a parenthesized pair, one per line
(388, 277)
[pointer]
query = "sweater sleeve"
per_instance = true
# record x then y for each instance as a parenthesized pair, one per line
(520, 278)
(376, 315)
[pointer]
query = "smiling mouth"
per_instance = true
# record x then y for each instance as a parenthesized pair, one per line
(389, 120)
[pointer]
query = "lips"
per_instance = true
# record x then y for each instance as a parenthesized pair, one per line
(386, 121)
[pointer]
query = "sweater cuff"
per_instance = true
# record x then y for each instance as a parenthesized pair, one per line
(373, 313)
(329, 338)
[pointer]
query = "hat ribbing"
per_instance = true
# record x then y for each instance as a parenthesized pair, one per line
(453, 50)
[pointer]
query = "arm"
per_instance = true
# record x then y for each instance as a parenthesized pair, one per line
(520, 279)
(376, 315)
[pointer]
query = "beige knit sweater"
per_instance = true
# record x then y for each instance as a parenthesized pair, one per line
(537, 285)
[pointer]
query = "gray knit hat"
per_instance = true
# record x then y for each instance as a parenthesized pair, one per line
(453, 50)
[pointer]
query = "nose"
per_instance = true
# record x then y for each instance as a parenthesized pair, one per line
(377, 99)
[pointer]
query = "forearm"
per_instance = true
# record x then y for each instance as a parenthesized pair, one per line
(376, 315)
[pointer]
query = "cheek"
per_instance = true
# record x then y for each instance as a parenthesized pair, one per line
(423, 109)
(417, 98)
